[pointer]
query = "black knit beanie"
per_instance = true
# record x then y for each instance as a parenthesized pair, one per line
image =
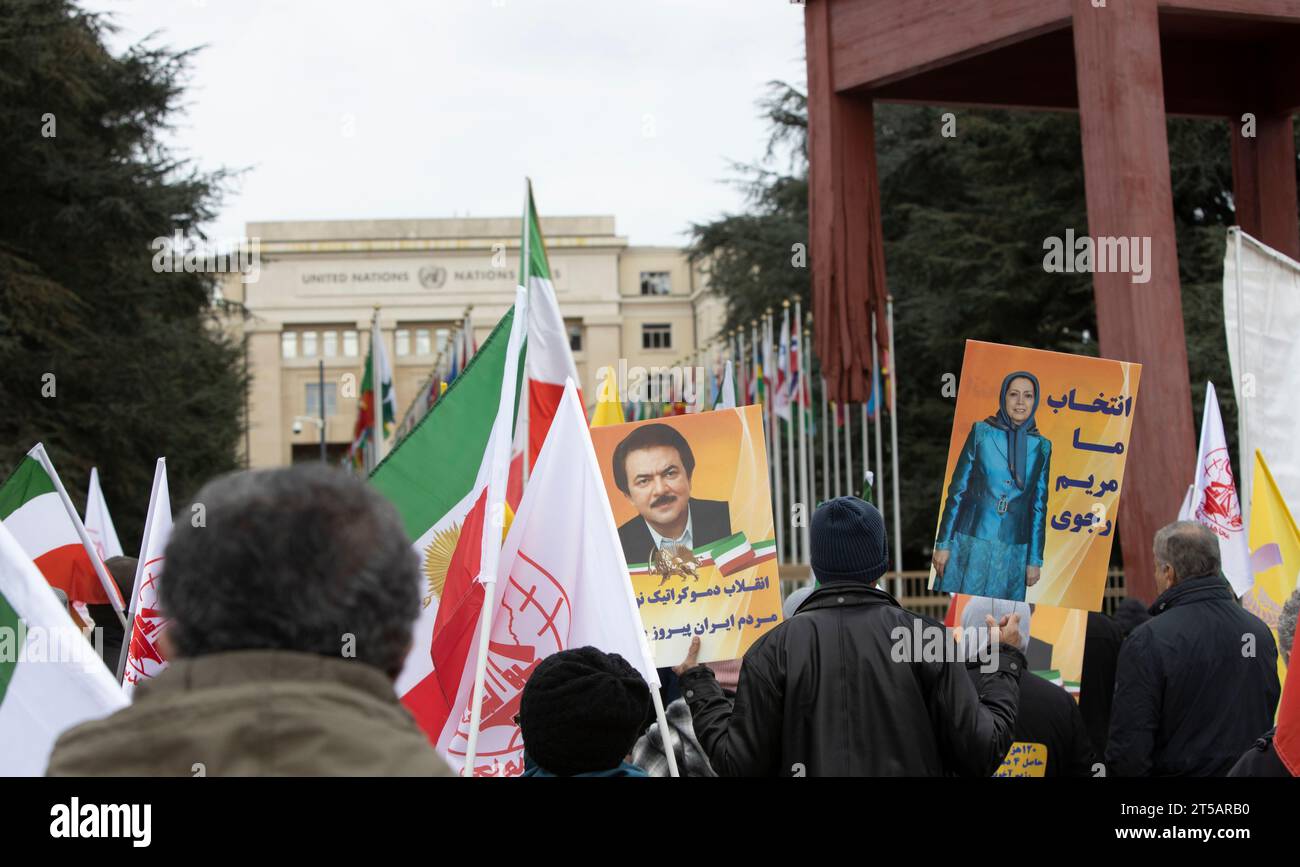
(848, 541)
(582, 710)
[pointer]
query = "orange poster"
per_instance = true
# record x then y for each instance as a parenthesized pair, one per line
(694, 513)
(1035, 468)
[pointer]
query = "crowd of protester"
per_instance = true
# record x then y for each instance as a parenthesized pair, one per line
(294, 562)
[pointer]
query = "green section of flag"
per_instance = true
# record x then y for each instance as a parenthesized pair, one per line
(537, 264)
(730, 543)
(9, 636)
(435, 466)
(26, 483)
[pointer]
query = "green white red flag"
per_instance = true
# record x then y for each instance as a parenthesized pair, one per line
(37, 511)
(438, 478)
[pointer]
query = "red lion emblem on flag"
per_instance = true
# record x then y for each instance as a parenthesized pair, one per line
(532, 623)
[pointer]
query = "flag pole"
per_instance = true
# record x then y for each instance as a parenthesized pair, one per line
(835, 446)
(893, 443)
(110, 587)
(1247, 468)
(826, 432)
(880, 466)
(774, 438)
(866, 439)
(803, 430)
(496, 495)
(525, 272)
(377, 389)
(849, 484)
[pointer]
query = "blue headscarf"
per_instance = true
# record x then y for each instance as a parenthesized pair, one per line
(1017, 434)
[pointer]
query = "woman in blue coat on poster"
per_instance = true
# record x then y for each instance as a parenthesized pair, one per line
(991, 535)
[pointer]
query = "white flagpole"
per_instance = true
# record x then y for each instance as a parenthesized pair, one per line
(1245, 458)
(880, 465)
(866, 439)
(774, 442)
(793, 406)
(110, 588)
(804, 448)
(893, 444)
(835, 445)
(496, 494)
(525, 279)
(826, 432)
(849, 480)
(377, 385)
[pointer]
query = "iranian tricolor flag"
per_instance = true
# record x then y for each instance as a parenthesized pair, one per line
(143, 656)
(438, 478)
(99, 523)
(562, 583)
(51, 677)
(550, 362)
(37, 511)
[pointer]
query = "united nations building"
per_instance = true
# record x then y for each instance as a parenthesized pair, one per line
(314, 295)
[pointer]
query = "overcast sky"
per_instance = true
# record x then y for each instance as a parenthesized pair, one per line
(345, 109)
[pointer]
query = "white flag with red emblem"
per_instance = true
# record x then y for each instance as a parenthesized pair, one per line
(144, 657)
(1214, 497)
(562, 583)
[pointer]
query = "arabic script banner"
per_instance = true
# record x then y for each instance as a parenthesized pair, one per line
(1034, 475)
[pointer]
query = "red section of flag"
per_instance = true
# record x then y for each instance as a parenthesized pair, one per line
(515, 481)
(543, 400)
(461, 602)
(428, 706)
(68, 567)
(1287, 738)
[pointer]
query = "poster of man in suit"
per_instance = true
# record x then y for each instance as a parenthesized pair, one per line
(691, 500)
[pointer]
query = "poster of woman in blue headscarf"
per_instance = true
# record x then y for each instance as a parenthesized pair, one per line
(1034, 470)
(994, 522)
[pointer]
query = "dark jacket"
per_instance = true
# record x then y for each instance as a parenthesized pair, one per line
(1190, 697)
(1048, 715)
(836, 691)
(1261, 760)
(710, 521)
(254, 713)
(1101, 644)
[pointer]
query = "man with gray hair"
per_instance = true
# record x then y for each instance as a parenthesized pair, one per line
(1261, 760)
(289, 614)
(1196, 683)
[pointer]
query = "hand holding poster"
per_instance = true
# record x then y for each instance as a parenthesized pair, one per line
(694, 513)
(1034, 471)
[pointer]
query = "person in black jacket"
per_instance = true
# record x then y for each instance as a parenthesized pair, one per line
(1261, 760)
(1048, 714)
(1101, 643)
(852, 684)
(1197, 683)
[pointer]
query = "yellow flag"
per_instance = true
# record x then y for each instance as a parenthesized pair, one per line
(1274, 551)
(609, 406)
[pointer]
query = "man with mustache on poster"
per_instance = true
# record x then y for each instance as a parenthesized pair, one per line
(653, 467)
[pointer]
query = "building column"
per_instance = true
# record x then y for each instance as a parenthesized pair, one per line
(1126, 165)
(267, 428)
(847, 244)
(1264, 179)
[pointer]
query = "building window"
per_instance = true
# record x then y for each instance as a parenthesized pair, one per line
(441, 336)
(330, 344)
(313, 399)
(656, 283)
(656, 336)
(402, 338)
(289, 344)
(309, 344)
(575, 337)
(423, 345)
(350, 344)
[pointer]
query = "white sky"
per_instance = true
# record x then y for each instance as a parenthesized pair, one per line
(347, 109)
